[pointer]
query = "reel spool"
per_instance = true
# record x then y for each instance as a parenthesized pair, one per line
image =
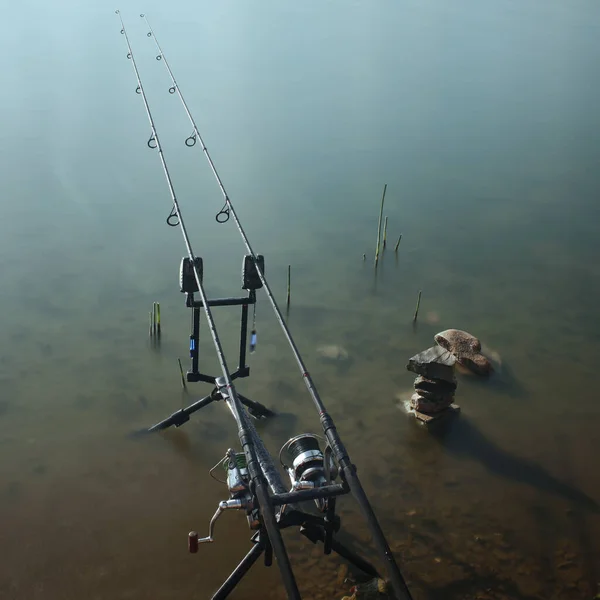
(310, 468)
(236, 469)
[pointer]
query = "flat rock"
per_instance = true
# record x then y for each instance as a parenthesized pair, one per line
(437, 390)
(433, 363)
(466, 348)
(434, 385)
(458, 341)
(437, 396)
(427, 406)
(477, 363)
(332, 352)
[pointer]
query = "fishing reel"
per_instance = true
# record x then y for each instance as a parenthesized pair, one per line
(238, 484)
(310, 467)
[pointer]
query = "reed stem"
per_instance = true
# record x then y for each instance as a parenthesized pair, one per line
(417, 309)
(385, 233)
(183, 383)
(398, 243)
(379, 226)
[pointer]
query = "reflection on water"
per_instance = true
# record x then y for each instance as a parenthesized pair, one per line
(482, 121)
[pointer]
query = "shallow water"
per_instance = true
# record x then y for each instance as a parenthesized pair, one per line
(482, 121)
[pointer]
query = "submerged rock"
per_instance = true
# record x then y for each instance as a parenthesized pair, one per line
(493, 356)
(374, 589)
(432, 317)
(332, 352)
(433, 363)
(466, 348)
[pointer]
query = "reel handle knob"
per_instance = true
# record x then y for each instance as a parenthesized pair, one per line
(193, 542)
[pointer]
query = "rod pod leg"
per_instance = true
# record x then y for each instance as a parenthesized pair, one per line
(239, 572)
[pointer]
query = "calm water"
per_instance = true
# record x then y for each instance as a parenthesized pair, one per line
(482, 120)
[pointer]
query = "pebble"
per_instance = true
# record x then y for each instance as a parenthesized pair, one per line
(341, 574)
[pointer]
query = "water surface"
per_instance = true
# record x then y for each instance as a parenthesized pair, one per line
(482, 121)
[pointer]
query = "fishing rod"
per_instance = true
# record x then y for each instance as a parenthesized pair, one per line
(246, 431)
(251, 477)
(348, 469)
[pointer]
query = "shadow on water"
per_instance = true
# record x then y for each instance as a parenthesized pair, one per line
(462, 438)
(282, 425)
(580, 525)
(180, 442)
(503, 381)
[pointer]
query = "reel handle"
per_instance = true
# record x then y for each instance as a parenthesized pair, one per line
(193, 542)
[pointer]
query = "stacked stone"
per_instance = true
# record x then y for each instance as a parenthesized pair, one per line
(435, 384)
(466, 348)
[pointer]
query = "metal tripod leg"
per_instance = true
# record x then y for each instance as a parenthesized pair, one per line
(180, 417)
(256, 409)
(239, 572)
(317, 534)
